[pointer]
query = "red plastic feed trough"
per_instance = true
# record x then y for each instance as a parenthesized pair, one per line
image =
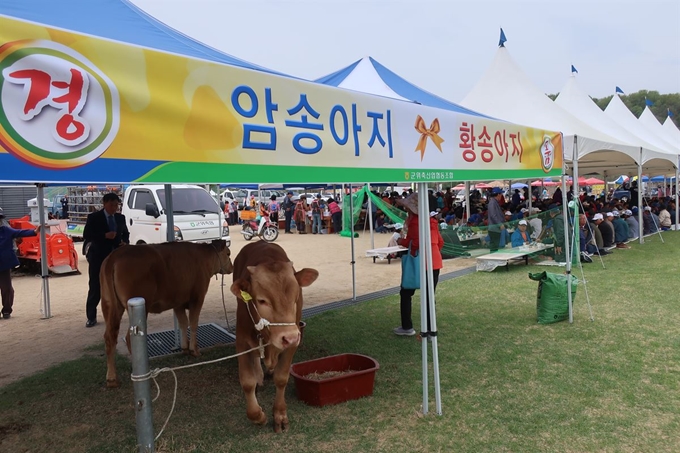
(356, 381)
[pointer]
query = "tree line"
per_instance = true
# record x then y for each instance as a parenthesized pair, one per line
(636, 104)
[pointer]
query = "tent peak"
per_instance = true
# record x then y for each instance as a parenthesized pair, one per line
(337, 77)
(368, 75)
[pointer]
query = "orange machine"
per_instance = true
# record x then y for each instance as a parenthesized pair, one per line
(62, 257)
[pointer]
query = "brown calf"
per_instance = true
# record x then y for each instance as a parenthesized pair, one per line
(173, 275)
(267, 287)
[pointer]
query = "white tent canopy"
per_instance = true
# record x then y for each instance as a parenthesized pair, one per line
(672, 131)
(648, 119)
(505, 91)
(579, 104)
(618, 112)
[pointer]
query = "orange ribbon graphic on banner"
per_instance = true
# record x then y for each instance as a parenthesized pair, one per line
(432, 132)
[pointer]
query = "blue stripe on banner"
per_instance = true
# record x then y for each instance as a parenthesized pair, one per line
(100, 171)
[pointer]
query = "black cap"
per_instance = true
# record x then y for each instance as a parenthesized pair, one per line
(290, 193)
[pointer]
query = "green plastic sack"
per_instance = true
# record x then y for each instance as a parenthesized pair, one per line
(552, 303)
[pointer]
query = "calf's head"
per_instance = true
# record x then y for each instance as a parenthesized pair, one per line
(225, 265)
(273, 291)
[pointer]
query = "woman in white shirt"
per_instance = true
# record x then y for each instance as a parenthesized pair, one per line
(396, 236)
(664, 218)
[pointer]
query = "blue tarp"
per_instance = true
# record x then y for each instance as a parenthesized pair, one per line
(661, 179)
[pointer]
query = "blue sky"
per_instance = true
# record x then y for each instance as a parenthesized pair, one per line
(445, 46)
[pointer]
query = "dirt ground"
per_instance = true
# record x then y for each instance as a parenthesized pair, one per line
(30, 343)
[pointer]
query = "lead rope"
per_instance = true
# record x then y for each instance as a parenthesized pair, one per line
(224, 305)
(155, 372)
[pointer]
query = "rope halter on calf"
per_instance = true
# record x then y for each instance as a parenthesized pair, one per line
(262, 323)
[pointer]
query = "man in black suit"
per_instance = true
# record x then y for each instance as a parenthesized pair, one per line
(105, 230)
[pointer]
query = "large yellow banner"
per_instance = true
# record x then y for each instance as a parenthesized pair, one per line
(77, 108)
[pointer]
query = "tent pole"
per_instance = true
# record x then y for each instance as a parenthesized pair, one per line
(427, 300)
(575, 195)
(351, 221)
(677, 211)
(574, 168)
(640, 207)
(170, 233)
(170, 237)
(44, 271)
(567, 252)
(423, 213)
(664, 185)
(369, 208)
(426, 238)
(467, 200)
(531, 196)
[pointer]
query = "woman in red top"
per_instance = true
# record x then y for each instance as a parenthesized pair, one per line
(436, 244)
(336, 215)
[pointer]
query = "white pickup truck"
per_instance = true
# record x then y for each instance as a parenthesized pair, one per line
(197, 216)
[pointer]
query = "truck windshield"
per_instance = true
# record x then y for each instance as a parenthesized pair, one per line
(189, 200)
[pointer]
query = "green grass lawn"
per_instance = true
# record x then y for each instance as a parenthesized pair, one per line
(508, 384)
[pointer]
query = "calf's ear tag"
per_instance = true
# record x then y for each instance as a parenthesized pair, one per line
(246, 297)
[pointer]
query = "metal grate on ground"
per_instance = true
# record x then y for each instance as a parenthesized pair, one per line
(163, 343)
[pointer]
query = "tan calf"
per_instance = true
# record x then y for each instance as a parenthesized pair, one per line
(267, 288)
